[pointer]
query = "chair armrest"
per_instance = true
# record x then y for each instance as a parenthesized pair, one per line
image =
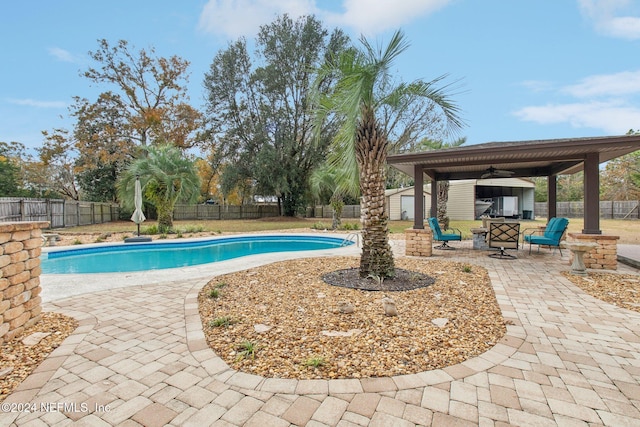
(455, 230)
(532, 232)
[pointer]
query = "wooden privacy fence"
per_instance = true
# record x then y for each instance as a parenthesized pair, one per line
(628, 209)
(182, 212)
(348, 211)
(59, 213)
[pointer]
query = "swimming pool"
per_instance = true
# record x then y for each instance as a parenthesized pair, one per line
(156, 256)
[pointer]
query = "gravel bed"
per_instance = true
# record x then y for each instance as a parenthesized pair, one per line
(622, 290)
(284, 321)
(18, 359)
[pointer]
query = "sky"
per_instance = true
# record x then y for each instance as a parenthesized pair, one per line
(526, 69)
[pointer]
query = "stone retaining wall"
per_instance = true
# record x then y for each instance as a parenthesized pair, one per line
(20, 305)
(604, 257)
(419, 242)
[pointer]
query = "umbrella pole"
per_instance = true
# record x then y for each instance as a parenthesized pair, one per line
(138, 229)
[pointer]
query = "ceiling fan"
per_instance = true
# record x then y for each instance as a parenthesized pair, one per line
(496, 173)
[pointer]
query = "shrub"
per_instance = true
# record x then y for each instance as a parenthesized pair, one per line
(349, 226)
(150, 230)
(225, 321)
(320, 226)
(315, 362)
(246, 350)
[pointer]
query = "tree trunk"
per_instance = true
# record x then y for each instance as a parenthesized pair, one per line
(443, 198)
(165, 216)
(371, 153)
(336, 204)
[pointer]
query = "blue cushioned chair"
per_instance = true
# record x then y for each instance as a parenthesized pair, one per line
(439, 236)
(551, 235)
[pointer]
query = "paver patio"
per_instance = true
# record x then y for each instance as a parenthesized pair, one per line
(139, 357)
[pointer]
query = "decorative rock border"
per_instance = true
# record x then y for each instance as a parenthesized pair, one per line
(20, 305)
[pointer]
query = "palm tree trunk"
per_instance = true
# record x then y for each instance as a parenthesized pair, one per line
(443, 198)
(371, 152)
(165, 216)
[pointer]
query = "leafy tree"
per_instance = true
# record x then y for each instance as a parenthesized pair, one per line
(540, 191)
(10, 178)
(621, 178)
(104, 148)
(150, 94)
(571, 187)
(57, 157)
(166, 177)
(361, 144)
(326, 184)
(146, 103)
(443, 186)
(259, 109)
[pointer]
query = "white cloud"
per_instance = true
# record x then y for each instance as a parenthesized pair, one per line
(614, 18)
(36, 103)
(618, 84)
(234, 18)
(374, 16)
(607, 102)
(63, 55)
(612, 117)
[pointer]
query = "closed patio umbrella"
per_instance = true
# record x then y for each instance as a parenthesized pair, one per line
(138, 216)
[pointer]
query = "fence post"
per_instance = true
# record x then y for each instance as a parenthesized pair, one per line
(49, 210)
(613, 210)
(23, 215)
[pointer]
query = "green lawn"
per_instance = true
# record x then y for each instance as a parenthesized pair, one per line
(628, 230)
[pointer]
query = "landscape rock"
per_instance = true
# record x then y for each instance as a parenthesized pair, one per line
(35, 338)
(440, 322)
(389, 306)
(260, 328)
(345, 307)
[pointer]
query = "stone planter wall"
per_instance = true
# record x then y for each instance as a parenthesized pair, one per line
(20, 305)
(419, 242)
(604, 257)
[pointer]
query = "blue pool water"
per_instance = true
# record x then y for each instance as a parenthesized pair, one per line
(155, 256)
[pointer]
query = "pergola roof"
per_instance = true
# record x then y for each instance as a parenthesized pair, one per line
(524, 158)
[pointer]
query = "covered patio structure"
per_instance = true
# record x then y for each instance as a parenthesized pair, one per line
(537, 158)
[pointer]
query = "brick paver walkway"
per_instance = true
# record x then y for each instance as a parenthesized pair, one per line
(140, 358)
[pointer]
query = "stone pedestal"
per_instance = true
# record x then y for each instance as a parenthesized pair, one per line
(418, 242)
(20, 305)
(578, 249)
(602, 257)
(480, 238)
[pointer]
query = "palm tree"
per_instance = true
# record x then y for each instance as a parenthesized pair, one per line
(166, 176)
(360, 146)
(326, 179)
(443, 186)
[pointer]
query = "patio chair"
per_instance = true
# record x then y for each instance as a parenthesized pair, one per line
(439, 236)
(504, 235)
(550, 236)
